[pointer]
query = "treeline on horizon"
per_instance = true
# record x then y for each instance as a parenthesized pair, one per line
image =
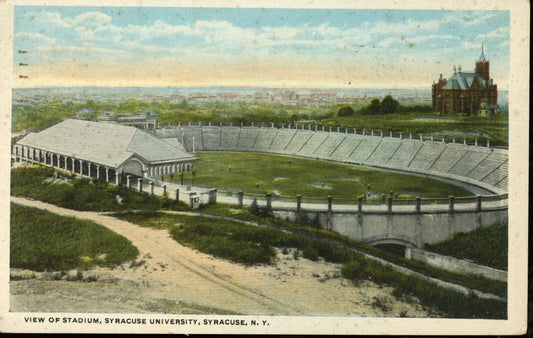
(386, 115)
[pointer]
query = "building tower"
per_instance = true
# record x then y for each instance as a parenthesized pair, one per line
(482, 66)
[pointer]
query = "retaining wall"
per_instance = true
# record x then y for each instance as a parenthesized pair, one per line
(454, 264)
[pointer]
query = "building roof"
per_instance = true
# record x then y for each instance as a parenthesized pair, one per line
(482, 56)
(463, 80)
(103, 143)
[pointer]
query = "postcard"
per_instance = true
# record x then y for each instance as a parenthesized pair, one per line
(250, 167)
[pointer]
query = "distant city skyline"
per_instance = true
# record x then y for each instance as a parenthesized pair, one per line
(314, 48)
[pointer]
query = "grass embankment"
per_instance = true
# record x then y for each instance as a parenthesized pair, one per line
(485, 246)
(289, 176)
(471, 127)
(43, 241)
(68, 191)
(307, 226)
(251, 244)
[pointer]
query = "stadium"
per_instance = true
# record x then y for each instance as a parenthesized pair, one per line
(148, 161)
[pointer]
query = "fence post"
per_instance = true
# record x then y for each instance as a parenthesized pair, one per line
(151, 188)
(451, 205)
(212, 196)
(298, 203)
(177, 194)
(164, 189)
(418, 200)
(389, 203)
(478, 203)
(360, 204)
(329, 203)
(269, 201)
(240, 195)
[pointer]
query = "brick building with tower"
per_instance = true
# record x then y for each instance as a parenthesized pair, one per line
(467, 92)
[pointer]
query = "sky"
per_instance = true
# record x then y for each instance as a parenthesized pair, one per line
(274, 47)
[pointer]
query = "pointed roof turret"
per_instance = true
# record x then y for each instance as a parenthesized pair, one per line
(482, 56)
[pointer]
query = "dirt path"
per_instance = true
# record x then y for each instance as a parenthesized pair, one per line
(169, 277)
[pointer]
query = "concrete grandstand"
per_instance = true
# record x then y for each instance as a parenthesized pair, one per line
(478, 165)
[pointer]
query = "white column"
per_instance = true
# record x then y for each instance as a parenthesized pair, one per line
(107, 174)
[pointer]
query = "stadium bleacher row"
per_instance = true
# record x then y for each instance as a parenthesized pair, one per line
(489, 166)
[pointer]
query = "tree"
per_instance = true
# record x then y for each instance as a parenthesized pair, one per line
(388, 105)
(345, 111)
(374, 107)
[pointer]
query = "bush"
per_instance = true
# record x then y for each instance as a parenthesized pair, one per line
(346, 111)
(165, 200)
(257, 210)
(310, 253)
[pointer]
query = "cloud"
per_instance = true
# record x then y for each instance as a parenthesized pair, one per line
(498, 33)
(89, 19)
(408, 27)
(58, 54)
(282, 33)
(47, 18)
(32, 39)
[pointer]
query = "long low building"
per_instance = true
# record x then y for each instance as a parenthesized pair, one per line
(105, 151)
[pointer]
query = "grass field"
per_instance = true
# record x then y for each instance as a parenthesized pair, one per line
(486, 246)
(44, 241)
(288, 176)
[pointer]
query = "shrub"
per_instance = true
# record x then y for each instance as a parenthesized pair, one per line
(165, 200)
(345, 111)
(310, 253)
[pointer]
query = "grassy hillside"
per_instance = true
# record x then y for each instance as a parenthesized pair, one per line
(44, 241)
(69, 191)
(485, 246)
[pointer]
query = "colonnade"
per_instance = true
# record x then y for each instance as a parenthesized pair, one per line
(87, 168)
(158, 170)
(74, 165)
